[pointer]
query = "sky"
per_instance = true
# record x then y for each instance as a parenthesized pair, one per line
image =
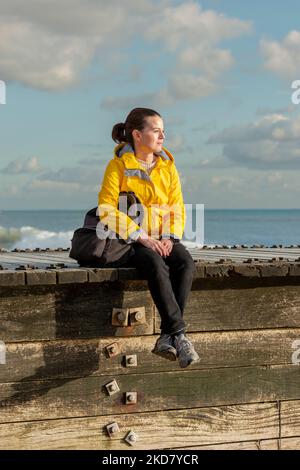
(219, 72)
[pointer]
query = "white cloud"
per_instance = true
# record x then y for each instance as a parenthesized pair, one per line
(269, 111)
(175, 143)
(260, 183)
(147, 100)
(243, 189)
(31, 165)
(191, 35)
(48, 44)
(188, 86)
(188, 23)
(67, 180)
(42, 186)
(229, 182)
(272, 141)
(39, 58)
(211, 162)
(76, 174)
(195, 33)
(10, 190)
(258, 130)
(196, 57)
(282, 58)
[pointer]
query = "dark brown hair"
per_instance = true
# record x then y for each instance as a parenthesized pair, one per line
(122, 132)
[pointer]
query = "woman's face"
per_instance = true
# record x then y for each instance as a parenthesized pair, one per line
(151, 138)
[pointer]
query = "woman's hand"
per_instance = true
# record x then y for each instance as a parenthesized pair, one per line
(155, 245)
(168, 244)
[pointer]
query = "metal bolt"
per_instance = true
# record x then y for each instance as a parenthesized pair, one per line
(50, 266)
(112, 387)
(25, 267)
(138, 316)
(112, 428)
(112, 349)
(130, 398)
(131, 361)
(121, 317)
(131, 438)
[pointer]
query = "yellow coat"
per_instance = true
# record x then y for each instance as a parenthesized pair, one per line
(160, 193)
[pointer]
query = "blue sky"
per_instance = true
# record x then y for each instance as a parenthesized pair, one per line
(219, 72)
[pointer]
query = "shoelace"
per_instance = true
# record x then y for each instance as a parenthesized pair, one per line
(186, 345)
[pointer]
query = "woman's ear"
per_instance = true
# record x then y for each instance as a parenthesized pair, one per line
(136, 134)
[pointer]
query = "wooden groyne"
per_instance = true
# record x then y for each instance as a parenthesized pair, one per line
(79, 373)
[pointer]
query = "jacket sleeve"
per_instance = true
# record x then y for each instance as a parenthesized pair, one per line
(108, 201)
(175, 227)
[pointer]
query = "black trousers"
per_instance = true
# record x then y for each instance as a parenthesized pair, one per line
(169, 281)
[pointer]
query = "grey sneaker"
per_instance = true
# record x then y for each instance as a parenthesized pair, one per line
(164, 347)
(185, 351)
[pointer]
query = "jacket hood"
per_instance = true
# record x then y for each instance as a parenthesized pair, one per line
(126, 152)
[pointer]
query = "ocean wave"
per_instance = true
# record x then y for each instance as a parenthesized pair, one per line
(31, 237)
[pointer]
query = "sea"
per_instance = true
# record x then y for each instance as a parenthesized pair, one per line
(54, 228)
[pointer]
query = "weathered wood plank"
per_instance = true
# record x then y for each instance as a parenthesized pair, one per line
(87, 396)
(11, 278)
(83, 311)
(171, 429)
(265, 444)
(69, 311)
(77, 358)
(239, 309)
(290, 416)
(290, 443)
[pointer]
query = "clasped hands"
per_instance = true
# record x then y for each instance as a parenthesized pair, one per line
(162, 247)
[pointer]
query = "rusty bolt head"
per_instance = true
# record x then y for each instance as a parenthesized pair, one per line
(112, 349)
(121, 317)
(112, 428)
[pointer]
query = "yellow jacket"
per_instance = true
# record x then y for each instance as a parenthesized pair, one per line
(160, 193)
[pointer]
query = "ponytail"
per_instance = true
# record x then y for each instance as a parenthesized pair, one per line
(118, 133)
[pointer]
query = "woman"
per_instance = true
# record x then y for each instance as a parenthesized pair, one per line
(142, 165)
